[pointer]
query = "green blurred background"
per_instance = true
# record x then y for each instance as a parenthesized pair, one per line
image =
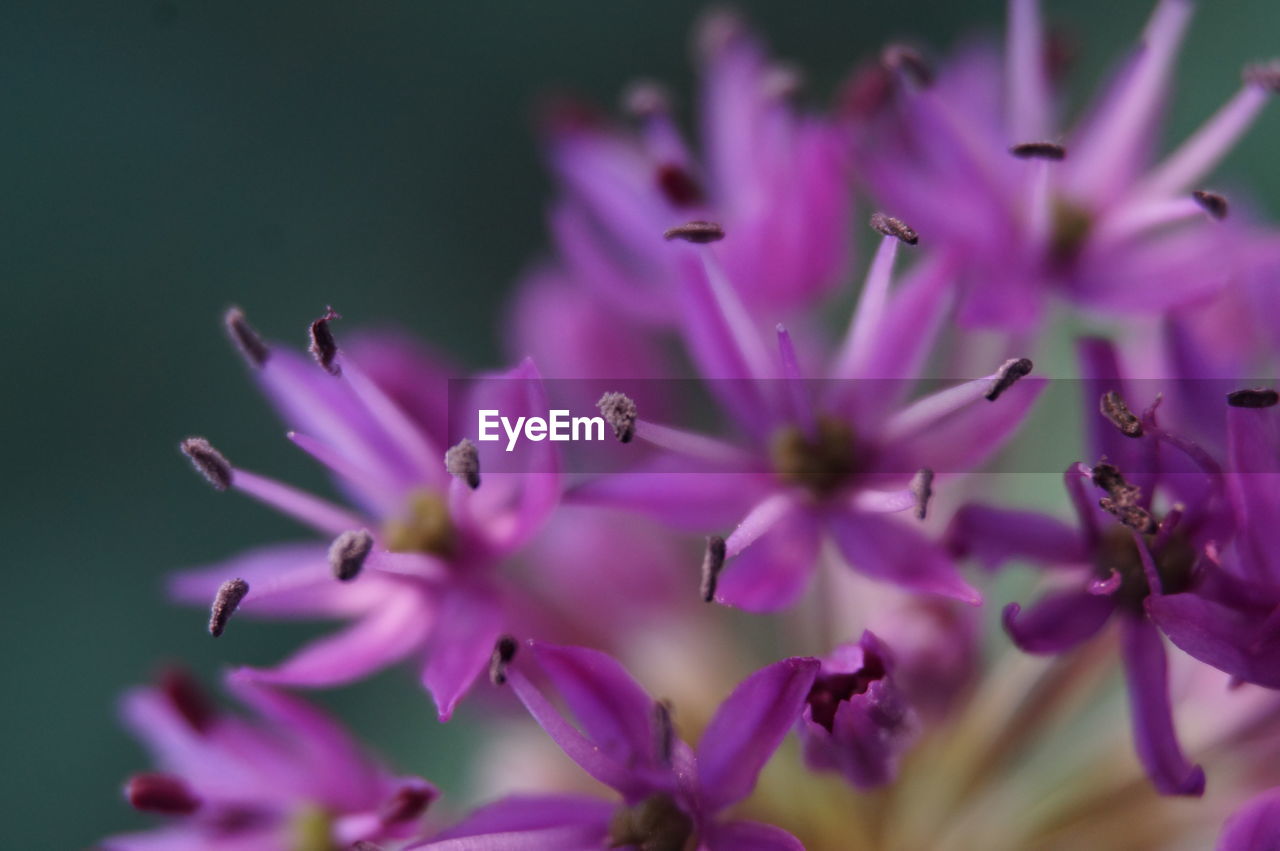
(162, 160)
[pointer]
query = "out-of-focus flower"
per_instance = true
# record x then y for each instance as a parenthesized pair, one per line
(856, 720)
(971, 156)
(290, 778)
(415, 566)
(828, 452)
(672, 794)
(1255, 826)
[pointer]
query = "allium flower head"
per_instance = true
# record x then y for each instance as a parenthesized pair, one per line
(289, 778)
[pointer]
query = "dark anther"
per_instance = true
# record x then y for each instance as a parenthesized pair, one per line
(1212, 203)
(187, 699)
(696, 232)
(921, 488)
(678, 186)
(348, 552)
(208, 462)
(889, 226)
(407, 804)
(1008, 374)
(1122, 499)
(463, 462)
(907, 60)
(1114, 409)
(255, 351)
(664, 734)
(323, 347)
(1039, 151)
(1265, 75)
(161, 793)
(712, 564)
(1255, 397)
(224, 604)
(504, 650)
(619, 411)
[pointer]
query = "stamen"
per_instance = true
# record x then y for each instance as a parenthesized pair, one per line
(407, 804)
(1264, 75)
(1255, 397)
(889, 226)
(1213, 203)
(921, 488)
(161, 793)
(255, 351)
(699, 233)
(463, 462)
(187, 699)
(1122, 499)
(664, 734)
(619, 411)
(208, 462)
(1008, 375)
(323, 347)
(348, 552)
(225, 603)
(1114, 409)
(678, 186)
(907, 60)
(503, 652)
(712, 564)
(1039, 151)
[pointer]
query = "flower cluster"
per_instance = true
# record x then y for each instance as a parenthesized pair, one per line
(831, 481)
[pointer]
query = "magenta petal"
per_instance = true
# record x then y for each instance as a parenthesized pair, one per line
(889, 550)
(1230, 640)
(994, 536)
(1147, 676)
(531, 813)
(1253, 827)
(468, 623)
(748, 727)
(566, 838)
(610, 707)
(749, 836)
(285, 580)
(1058, 621)
(775, 569)
(1254, 486)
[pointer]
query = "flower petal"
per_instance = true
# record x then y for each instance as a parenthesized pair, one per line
(774, 570)
(467, 624)
(1058, 621)
(750, 836)
(1253, 827)
(994, 536)
(748, 727)
(887, 549)
(1229, 639)
(531, 813)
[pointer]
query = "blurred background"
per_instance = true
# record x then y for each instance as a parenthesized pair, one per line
(165, 159)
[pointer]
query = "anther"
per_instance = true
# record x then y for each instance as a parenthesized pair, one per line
(255, 351)
(323, 347)
(504, 650)
(619, 411)
(224, 604)
(407, 804)
(463, 462)
(1122, 499)
(699, 233)
(1255, 397)
(1008, 374)
(1039, 151)
(1212, 203)
(678, 186)
(1114, 409)
(889, 226)
(712, 564)
(208, 462)
(348, 552)
(907, 60)
(161, 793)
(664, 734)
(921, 488)
(1265, 75)
(187, 699)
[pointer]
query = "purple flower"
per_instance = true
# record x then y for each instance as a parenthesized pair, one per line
(1123, 557)
(972, 156)
(832, 457)
(671, 793)
(1253, 827)
(414, 565)
(856, 720)
(765, 167)
(291, 778)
